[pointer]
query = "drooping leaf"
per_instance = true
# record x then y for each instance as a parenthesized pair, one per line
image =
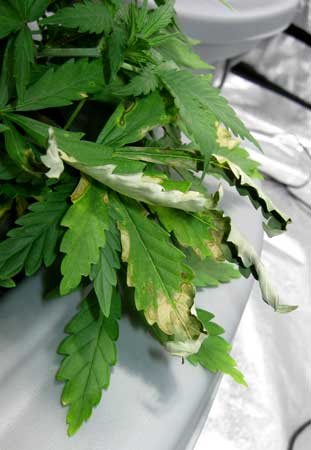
(276, 220)
(24, 57)
(123, 175)
(104, 273)
(157, 271)
(35, 241)
(240, 157)
(89, 17)
(130, 123)
(245, 255)
(209, 272)
(71, 81)
(89, 351)
(87, 222)
(10, 21)
(214, 352)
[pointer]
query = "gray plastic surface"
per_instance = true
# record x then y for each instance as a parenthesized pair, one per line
(154, 402)
(225, 32)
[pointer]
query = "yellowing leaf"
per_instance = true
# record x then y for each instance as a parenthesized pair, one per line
(277, 221)
(156, 270)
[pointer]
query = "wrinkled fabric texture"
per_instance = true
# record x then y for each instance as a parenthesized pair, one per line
(274, 351)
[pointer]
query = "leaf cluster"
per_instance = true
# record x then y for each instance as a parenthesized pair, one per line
(97, 180)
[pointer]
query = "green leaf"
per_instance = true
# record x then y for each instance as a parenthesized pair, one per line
(191, 230)
(24, 57)
(8, 283)
(89, 351)
(39, 131)
(7, 84)
(196, 120)
(116, 47)
(88, 17)
(182, 54)
(8, 169)
(71, 81)
(143, 83)
(214, 352)
(18, 149)
(130, 123)
(158, 18)
(200, 105)
(37, 8)
(9, 19)
(104, 273)
(174, 157)
(209, 272)
(240, 157)
(36, 239)
(245, 255)
(87, 220)
(276, 220)
(157, 271)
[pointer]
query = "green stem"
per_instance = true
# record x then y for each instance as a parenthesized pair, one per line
(75, 113)
(70, 52)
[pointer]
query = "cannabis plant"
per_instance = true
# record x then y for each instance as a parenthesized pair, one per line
(108, 133)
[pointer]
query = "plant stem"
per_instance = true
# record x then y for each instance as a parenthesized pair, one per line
(70, 52)
(75, 113)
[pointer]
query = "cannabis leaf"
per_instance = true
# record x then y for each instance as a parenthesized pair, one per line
(245, 255)
(130, 123)
(71, 81)
(157, 271)
(24, 57)
(6, 78)
(181, 53)
(89, 351)
(104, 273)
(9, 19)
(89, 16)
(277, 221)
(116, 47)
(214, 352)
(17, 148)
(36, 239)
(191, 230)
(240, 157)
(196, 120)
(39, 131)
(200, 106)
(209, 272)
(87, 220)
(157, 19)
(143, 83)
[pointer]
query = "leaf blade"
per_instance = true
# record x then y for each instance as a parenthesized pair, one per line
(87, 222)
